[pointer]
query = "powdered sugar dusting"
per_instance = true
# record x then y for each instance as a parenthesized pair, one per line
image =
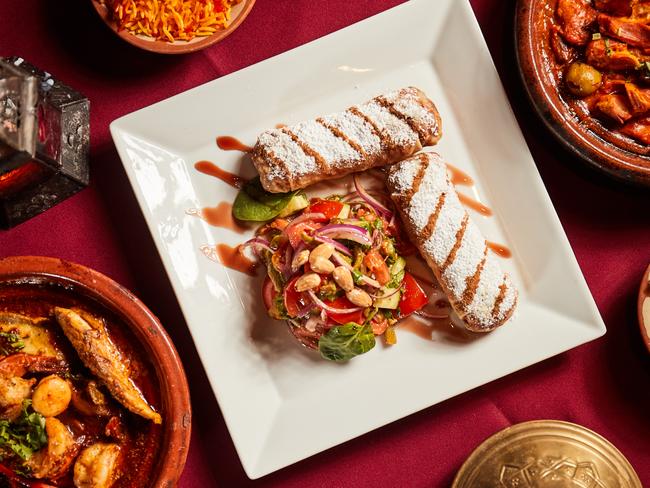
(487, 291)
(283, 148)
(396, 131)
(509, 298)
(433, 184)
(407, 103)
(357, 130)
(468, 257)
(437, 248)
(334, 150)
(443, 238)
(403, 175)
(361, 137)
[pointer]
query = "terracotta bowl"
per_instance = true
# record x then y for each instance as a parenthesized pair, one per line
(239, 13)
(644, 308)
(620, 158)
(93, 287)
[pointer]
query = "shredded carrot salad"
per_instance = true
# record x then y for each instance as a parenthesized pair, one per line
(172, 20)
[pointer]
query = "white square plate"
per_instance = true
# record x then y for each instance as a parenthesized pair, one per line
(281, 402)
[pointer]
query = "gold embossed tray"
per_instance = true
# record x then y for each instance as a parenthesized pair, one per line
(546, 454)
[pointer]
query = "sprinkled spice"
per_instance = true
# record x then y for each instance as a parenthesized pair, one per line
(172, 20)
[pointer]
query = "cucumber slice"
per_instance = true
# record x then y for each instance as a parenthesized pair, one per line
(387, 300)
(345, 211)
(398, 266)
(397, 272)
(297, 202)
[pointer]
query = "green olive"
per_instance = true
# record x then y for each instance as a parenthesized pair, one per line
(582, 79)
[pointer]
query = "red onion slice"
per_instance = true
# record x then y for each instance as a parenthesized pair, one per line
(258, 243)
(305, 310)
(345, 231)
(329, 309)
(367, 280)
(373, 202)
(336, 244)
(308, 216)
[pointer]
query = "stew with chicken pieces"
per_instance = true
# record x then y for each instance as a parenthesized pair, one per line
(601, 50)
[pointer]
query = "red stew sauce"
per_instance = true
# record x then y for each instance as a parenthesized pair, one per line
(140, 440)
(599, 56)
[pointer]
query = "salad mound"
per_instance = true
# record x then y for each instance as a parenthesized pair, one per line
(336, 273)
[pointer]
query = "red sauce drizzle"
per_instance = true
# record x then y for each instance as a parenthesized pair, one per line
(230, 257)
(219, 216)
(211, 169)
(475, 205)
(425, 328)
(499, 249)
(459, 177)
(229, 143)
(280, 126)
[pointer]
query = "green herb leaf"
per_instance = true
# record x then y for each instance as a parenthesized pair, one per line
(356, 277)
(26, 434)
(343, 342)
(10, 342)
(256, 204)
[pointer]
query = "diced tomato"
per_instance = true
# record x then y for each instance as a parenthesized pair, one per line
(294, 301)
(344, 318)
(376, 264)
(294, 232)
(330, 208)
(379, 325)
(268, 293)
(413, 297)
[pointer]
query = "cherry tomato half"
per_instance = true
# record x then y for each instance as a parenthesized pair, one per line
(344, 318)
(330, 208)
(294, 301)
(413, 297)
(294, 232)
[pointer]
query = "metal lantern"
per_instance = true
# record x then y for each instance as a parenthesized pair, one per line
(44, 140)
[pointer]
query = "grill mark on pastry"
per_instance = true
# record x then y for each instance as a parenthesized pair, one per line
(473, 281)
(417, 181)
(341, 135)
(407, 120)
(278, 162)
(433, 218)
(503, 288)
(322, 164)
(382, 138)
(457, 244)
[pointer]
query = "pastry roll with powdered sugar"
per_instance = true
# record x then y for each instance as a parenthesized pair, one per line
(382, 131)
(480, 293)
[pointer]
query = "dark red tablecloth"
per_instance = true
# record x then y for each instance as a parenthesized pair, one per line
(604, 385)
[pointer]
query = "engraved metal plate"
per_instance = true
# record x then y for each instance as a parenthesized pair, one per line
(546, 454)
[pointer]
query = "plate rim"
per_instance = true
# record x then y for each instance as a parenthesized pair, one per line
(251, 465)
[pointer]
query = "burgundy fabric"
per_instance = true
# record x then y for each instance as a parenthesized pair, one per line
(602, 385)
